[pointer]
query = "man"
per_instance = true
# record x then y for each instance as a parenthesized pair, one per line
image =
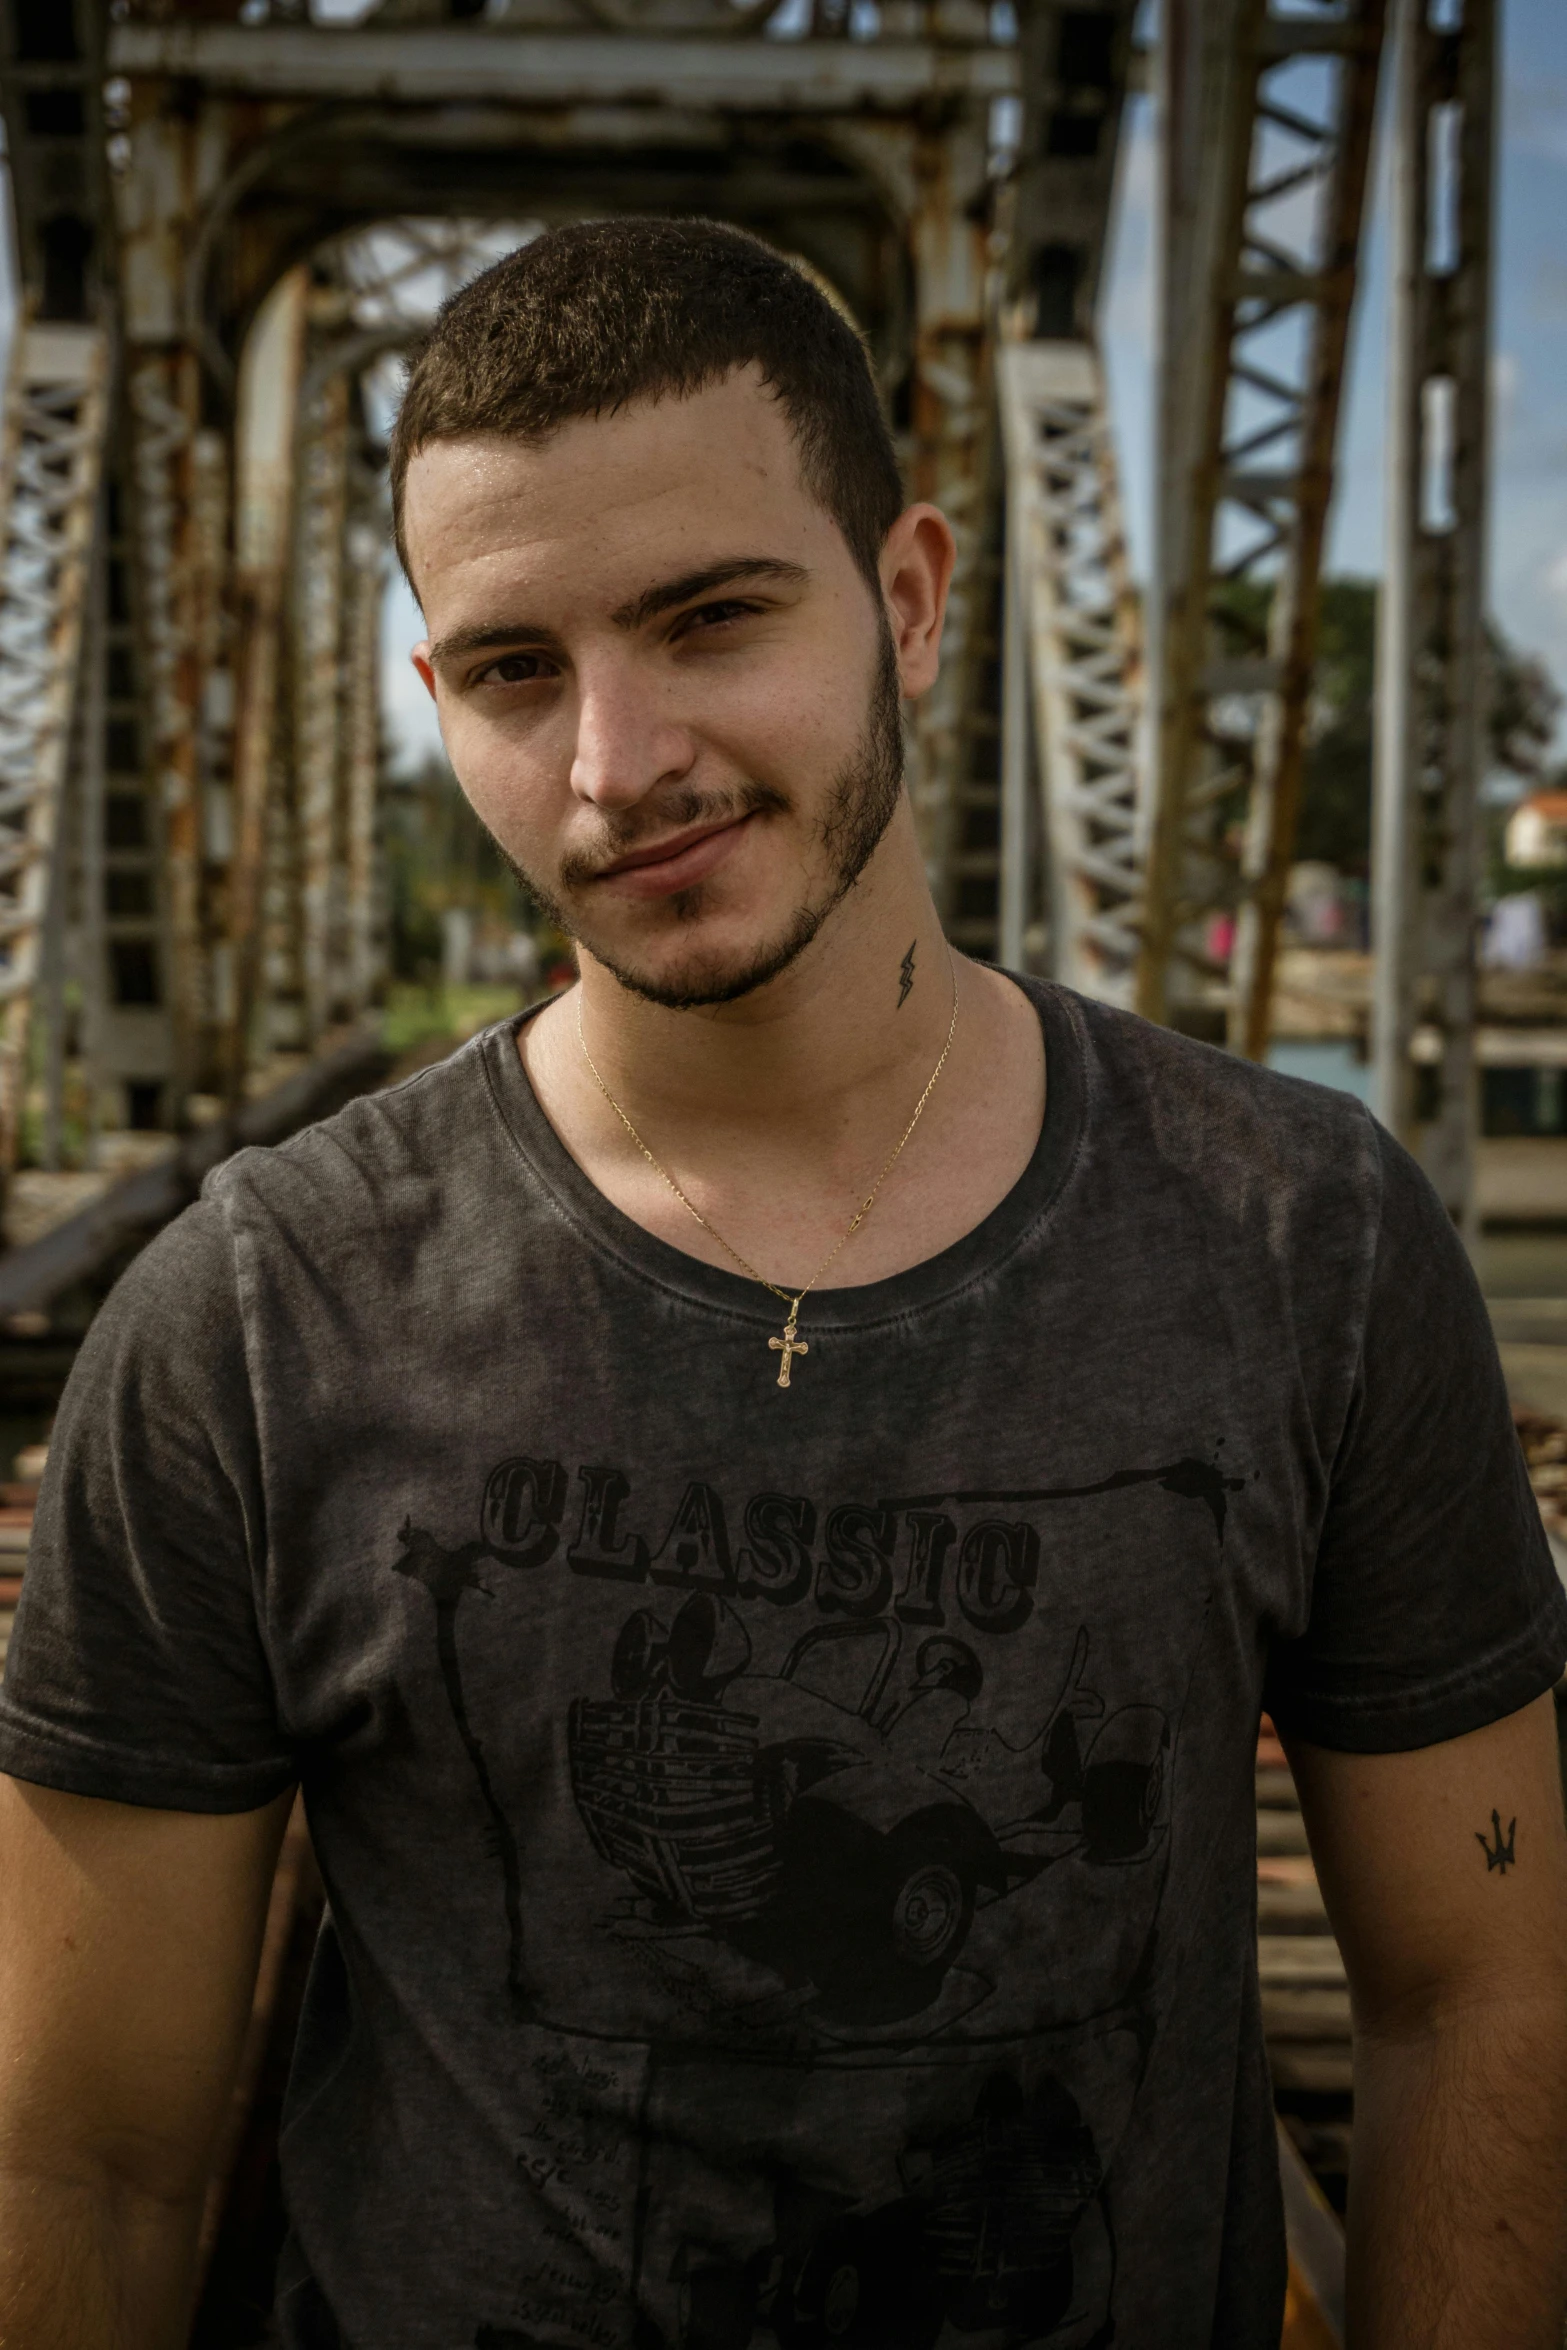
(762, 1504)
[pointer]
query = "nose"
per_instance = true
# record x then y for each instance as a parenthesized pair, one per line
(627, 740)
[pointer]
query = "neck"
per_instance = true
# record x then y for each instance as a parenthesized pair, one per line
(795, 1054)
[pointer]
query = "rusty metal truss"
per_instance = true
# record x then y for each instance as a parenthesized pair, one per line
(252, 152)
(1077, 65)
(224, 196)
(1431, 651)
(1074, 675)
(51, 468)
(1269, 113)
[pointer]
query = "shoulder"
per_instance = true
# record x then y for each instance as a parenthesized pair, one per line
(1254, 1146)
(387, 1161)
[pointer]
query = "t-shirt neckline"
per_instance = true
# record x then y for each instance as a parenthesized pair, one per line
(919, 1286)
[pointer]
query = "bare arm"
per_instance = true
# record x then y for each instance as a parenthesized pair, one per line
(1445, 1876)
(128, 1948)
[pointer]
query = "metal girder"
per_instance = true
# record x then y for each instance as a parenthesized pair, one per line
(364, 583)
(477, 63)
(264, 475)
(1268, 122)
(316, 614)
(180, 478)
(51, 93)
(50, 472)
(1073, 669)
(950, 460)
(1074, 70)
(1075, 64)
(1431, 647)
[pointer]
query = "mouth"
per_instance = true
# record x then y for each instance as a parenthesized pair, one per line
(679, 861)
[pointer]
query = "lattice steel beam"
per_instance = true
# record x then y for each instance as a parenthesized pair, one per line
(1269, 115)
(1075, 64)
(483, 65)
(51, 90)
(317, 617)
(364, 584)
(1074, 651)
(264, 475)
(1431, 648)
(55, 420)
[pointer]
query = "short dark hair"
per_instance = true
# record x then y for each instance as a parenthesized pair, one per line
(586, 319)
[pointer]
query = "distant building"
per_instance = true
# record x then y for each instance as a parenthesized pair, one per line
(1537, 830)
(1515, 936)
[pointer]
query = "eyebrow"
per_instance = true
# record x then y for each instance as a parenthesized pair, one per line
(671, 592)
(663, 598)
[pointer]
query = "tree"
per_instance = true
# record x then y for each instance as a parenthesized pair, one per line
(438, 855)
(1335, 811)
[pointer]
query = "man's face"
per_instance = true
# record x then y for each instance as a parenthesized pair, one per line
(663, 683)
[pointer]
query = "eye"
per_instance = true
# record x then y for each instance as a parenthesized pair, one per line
(714, 616)
(514, 669)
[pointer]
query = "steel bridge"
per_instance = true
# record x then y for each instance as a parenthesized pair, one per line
(230, 218)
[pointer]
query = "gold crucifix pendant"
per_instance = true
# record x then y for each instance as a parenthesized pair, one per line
(788, 1346)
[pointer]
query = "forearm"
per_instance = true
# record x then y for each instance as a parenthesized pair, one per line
(89, 2263)
(1458, 2180)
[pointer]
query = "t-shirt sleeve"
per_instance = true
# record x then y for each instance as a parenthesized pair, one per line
(137, 1669)
(1435, 1605)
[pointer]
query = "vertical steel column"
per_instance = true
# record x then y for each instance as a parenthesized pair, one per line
(320, 554)
(951, 419)
(1080, 636)
(179, 547)
(91, 948)
(1431, 651)
(1016, 894)
(264, 462)
(1265, 185)
(361, 774)
(55, 428)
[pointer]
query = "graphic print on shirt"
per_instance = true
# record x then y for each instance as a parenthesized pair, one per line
(873, 1803)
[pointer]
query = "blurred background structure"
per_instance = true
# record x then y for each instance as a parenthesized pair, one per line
(1152, 781)
(1178, 757)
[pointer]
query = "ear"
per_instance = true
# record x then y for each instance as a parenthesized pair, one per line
(916, 572)
(420, 657)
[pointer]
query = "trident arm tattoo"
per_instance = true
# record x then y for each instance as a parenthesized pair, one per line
(1498, 1856)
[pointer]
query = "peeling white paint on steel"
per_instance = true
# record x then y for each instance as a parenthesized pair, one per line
(428, 65)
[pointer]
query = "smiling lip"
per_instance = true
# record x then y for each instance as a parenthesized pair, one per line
(677, 863)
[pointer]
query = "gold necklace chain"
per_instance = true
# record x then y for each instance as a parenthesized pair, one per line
(789, 1345)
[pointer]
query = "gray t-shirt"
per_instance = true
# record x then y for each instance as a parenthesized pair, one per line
(790, 1853)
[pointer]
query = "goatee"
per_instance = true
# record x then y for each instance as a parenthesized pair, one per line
(860, 806)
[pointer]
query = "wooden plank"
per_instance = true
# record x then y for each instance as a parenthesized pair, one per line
(1303, 2066)
(1314, 2300)
(1306, 2015)
(1299, 1958)
(1291, 1908)
(1281, 1831)
(295, 1873)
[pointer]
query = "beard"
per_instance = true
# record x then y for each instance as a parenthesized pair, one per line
(860, 805)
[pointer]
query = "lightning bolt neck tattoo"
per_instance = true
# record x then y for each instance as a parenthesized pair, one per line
(906, 974)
